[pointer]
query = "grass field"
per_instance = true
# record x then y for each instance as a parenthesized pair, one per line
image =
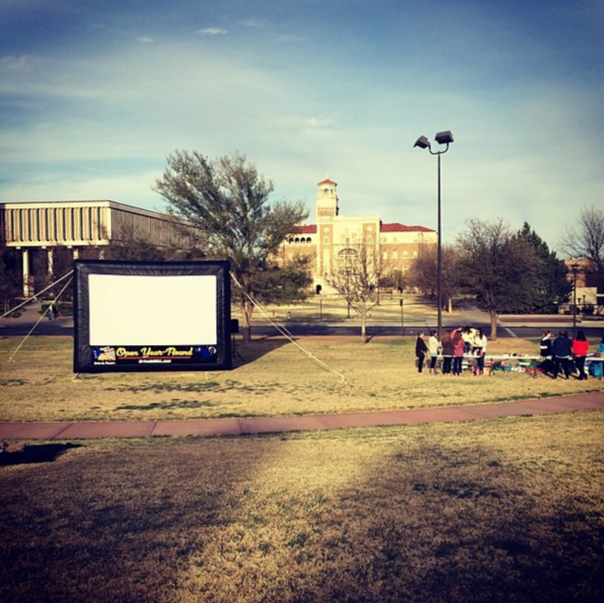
(332, 308)
(276, 378)
(508, 510)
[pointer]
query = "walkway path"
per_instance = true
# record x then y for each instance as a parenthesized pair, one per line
(223, 427)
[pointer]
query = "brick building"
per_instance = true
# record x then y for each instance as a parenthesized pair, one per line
(334, 235)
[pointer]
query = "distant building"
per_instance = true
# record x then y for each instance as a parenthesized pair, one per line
(49, 233)
(333, 236)
(588, 284)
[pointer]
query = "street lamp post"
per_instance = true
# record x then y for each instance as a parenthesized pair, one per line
(422, 142)
(575, 268)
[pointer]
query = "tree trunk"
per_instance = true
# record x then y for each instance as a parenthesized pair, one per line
(493, 314)
(246, 312)
(364, 326)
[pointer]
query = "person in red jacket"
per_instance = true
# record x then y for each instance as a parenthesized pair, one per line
(458, 347)
(580, 349)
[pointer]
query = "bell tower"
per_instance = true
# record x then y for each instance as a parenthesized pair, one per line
(327, 200)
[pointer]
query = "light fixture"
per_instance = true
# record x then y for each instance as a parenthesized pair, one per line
(422, 142)
(444, 137)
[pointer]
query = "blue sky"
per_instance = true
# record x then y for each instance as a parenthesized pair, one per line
(95, 95)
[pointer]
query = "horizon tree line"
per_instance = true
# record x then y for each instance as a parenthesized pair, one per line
(235, 218)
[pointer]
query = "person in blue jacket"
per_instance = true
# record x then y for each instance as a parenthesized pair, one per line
(562, 354)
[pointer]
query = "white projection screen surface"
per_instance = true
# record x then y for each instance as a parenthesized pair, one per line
(152, 310)
(152, 316)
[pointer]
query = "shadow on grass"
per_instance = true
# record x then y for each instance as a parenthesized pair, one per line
(247, 353)
(171, 405)
(428, 521)
(36, 453)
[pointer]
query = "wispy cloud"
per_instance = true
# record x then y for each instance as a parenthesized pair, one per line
(254, 23)
(22, 62)
(81, 117)
(212, 31)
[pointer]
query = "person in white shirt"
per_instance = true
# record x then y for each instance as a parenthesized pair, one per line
(479, 349)
(434, 349)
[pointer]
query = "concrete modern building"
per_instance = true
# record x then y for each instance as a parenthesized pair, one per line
(44, 231)
(334, 235)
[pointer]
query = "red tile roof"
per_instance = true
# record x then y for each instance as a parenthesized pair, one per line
(398, 227)
(305, 229)
(327, 181)
(394, 227)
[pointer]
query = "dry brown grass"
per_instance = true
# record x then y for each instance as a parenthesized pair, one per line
(331, 308)
(507, 511)
(276, 379)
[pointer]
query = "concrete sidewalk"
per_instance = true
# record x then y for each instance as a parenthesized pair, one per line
(237, 427)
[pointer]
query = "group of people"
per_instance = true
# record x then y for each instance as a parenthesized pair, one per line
(560, 353)
(453, 346)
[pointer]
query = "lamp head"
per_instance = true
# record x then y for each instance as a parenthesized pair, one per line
(444, 137)
(422, 142)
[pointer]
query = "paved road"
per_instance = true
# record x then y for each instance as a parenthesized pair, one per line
(527, 327)
(65, 328)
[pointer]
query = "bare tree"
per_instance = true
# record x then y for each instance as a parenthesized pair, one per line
(127, 244)
(355, 278)
(423, 273)
(497, 267)
(10, 278)
(586, 239)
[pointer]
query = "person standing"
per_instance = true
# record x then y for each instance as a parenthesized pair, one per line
(433, 349)
(545, 351)
(597, 366)
(421, 349)
(479, 350)
(545, 345)
(561, 354)
(467, 334)
(580, 347)
(447, 349)
(458, 349)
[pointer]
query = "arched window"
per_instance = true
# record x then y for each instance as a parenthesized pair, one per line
(347, 258)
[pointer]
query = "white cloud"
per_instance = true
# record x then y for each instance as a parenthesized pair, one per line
(524, 146)
(212, 31)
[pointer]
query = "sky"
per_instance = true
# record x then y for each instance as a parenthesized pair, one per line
(95, 95)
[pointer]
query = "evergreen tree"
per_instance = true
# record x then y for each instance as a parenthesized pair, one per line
(551, 286)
